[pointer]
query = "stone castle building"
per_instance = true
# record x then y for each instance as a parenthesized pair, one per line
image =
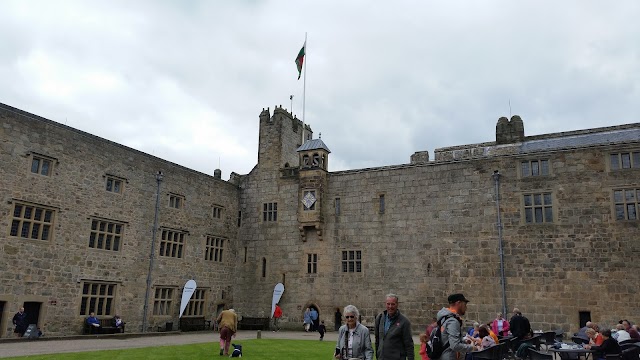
(82, 215)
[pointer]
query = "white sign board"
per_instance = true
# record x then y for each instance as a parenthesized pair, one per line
(188, 290)
(277, 293)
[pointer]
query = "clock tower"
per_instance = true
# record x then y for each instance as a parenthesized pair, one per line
(314, 158)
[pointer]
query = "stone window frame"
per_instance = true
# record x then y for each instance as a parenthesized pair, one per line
(163, 300)
(625, 202)
(381, 203)
(41, 159)
(196, 305)
(312, 263)
(99, 297)
(270, 212)
(36, 217)
(337, 209)
(114, 184)
(217, 211)
(351, 261)
(176, 201)
(108, 230)
(546, 204)
(632, 157)
(214, 248)
(313, 193)
(172, 243)
(539, 165)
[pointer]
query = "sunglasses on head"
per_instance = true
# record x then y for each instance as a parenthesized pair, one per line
(349, 316)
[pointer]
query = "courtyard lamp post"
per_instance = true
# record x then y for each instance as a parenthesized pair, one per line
(159, 176)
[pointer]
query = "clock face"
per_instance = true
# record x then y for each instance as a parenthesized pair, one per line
(308, 200)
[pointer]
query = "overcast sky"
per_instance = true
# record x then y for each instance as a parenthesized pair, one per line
(186, 80)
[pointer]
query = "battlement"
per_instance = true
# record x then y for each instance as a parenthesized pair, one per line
(517, 143)
(280, 136)
(282, 114)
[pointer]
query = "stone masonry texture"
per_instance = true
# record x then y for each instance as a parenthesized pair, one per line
(424, 230)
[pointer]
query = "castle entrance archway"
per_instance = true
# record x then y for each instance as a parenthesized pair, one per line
(310, 305)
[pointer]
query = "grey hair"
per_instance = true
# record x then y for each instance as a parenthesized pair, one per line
(392, 295)
(350, 309)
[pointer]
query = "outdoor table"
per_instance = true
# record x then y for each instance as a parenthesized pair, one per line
(565, 354)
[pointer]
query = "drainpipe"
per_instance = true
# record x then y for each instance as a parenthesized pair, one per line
(496, 178)
(159, 176)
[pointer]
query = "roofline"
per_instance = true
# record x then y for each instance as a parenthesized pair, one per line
(35, 117)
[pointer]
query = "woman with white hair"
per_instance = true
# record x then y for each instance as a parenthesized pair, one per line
(354, 341)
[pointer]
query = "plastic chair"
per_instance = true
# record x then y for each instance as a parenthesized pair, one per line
(548, 338)
(627, 346)
(628, 341)
(503, 350)
(539, 355)
(579, 340)
(631, 353)
(490, 353)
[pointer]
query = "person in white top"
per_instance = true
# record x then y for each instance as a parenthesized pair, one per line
(354, 341)
(500, 326)
(622, 334)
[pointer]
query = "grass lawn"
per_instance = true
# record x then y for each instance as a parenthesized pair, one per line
(251, 349)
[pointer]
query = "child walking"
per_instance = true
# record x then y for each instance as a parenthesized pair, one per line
(322, 329)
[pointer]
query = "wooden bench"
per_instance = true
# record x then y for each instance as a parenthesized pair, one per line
(192, 323)
(250, 323)
(107, 326)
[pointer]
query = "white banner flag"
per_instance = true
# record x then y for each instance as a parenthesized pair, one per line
(277, 293)
(189, 288)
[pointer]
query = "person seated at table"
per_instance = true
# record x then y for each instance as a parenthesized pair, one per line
(633, 333)
(582, 333)
(595, 338)
(117, 321)
(491, 333)
(609, 346)
(487, 340)
(473, 332)
(621, 334)
(94, 323)
(500, 325)
(483, 341)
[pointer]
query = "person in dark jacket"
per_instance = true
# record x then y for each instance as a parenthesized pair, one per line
(337, 319)
(393, 333)
(20, 322)
(519, 325)
(609, 345)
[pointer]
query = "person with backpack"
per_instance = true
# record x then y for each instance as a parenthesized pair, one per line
(448, 337)
(393, 333)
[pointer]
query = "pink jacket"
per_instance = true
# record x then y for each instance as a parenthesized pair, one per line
(505, 327)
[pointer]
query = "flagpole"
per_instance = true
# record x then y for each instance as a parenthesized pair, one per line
(304, 86)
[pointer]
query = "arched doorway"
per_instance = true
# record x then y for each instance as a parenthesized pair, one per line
(316, 322)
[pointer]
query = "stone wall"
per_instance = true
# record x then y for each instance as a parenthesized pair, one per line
(424, 230)
(438, 235)
(52, 272)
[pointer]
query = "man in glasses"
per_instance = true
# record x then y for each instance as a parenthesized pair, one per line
(393, 333)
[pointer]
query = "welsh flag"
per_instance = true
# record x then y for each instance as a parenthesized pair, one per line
(300, 59)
